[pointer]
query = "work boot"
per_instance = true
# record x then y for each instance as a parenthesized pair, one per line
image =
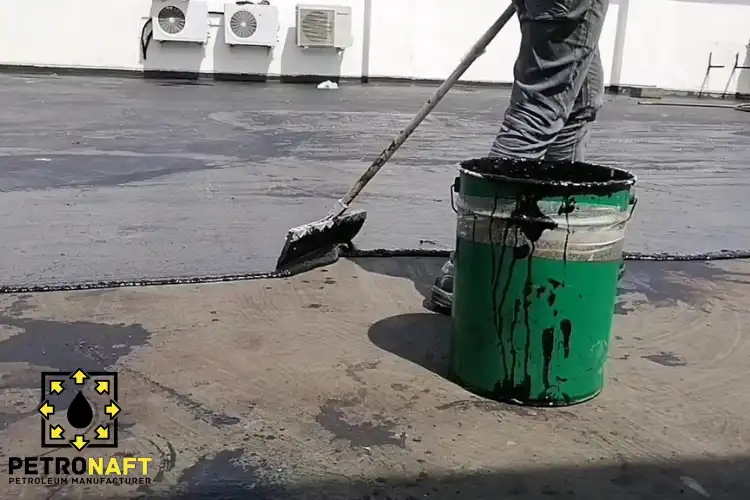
(442, 290)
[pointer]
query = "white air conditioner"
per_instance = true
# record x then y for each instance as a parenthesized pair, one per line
(180, 20)
(250, 24)
(324, 26)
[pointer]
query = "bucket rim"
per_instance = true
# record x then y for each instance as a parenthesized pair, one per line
(610, 185)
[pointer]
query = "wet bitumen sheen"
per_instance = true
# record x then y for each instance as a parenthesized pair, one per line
(107, 178)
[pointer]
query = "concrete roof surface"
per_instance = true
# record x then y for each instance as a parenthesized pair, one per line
(332, 384)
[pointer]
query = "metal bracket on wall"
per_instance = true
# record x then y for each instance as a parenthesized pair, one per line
(709, 67)
(736, 66)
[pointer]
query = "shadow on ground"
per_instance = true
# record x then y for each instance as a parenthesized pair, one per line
(420, 271)
(423, 338)
(659, 284)
(670, 479)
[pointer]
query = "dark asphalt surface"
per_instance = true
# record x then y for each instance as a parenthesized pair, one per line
(125, 178)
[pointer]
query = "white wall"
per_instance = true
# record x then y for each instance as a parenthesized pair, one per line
(668, 43)
(662, 43)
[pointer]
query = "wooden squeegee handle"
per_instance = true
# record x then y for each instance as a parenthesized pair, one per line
(477, 50)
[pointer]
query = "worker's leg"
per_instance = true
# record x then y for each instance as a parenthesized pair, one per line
(559, 40)
(570, 143)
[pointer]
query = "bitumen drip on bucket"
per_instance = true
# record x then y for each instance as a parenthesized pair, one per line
(537, 180)
(538, 247)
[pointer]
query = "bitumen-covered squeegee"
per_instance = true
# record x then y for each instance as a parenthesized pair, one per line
(320, 236)
(340, 228)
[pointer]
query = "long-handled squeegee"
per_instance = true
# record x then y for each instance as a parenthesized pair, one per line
(338, 228)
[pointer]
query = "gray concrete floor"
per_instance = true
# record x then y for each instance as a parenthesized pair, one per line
(124, 178)
(331, 384)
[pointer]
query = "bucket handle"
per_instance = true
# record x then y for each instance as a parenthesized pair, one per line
(455, 188)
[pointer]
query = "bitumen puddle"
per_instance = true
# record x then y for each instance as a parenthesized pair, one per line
(146, 180)
(379, 431)
(67, 346)
(58, 346)
(665, 284)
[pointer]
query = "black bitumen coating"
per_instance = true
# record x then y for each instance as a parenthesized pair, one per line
(125, 178)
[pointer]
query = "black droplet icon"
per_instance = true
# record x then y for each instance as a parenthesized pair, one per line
(80, 413)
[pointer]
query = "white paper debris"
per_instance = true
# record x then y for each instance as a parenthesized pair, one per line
(328, 85)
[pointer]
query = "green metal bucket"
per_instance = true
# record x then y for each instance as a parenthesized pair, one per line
(538, 250)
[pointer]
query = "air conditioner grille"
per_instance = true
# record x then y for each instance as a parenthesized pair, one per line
(317, 26)
(243, 24)
(171, 19)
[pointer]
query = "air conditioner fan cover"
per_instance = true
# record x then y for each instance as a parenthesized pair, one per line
(243, 24)
(171, 19)
(317, 25)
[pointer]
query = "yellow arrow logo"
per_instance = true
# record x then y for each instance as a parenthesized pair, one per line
(79, 376)
(102, 386)
(102, 432)
(112, 409)
(56, 387)
(46, 410)
(79, 443)
(56, 432)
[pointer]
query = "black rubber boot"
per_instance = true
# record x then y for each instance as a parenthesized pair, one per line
(441, 296)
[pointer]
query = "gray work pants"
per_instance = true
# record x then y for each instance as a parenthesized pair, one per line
(558, 80)
(558, 83)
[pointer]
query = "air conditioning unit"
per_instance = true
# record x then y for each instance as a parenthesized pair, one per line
(180, 20)
(324, 26)
(250, 24)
